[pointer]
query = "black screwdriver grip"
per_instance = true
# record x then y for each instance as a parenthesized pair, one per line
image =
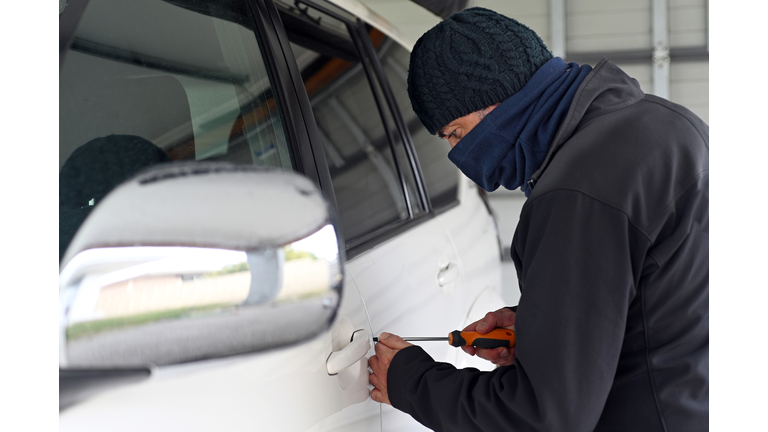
(490, 343)
(456, 340)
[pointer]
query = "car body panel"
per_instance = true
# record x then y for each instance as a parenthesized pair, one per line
(285, 389)
(462, 235)
(392, 286)
(369, 16)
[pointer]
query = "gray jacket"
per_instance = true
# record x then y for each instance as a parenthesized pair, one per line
(612, 255)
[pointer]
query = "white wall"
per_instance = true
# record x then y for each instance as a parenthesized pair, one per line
(594, 26)
(410, 18)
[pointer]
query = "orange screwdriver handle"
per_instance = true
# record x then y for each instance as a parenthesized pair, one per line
(496, 338)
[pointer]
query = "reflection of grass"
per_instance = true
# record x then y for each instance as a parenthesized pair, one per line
(90, 328)
(292, 254)
(236, 268)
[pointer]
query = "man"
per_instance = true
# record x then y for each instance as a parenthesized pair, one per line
(611, 249)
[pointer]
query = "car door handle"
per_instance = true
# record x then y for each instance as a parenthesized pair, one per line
(447, 274)
(350, 354)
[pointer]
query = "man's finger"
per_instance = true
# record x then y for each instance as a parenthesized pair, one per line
(489, 322)
(394, 342)
(472, 327)
(493, 354)
(500, 318)
(484, 325)
(373, 362)
(374, 380)
(384, 355)
(505, 361)
(379, 396)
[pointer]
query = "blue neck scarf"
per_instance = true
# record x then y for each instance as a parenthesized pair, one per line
(510, 144)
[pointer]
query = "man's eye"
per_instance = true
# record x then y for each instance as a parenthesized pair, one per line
(452, 134)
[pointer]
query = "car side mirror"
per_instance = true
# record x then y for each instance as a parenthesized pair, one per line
(195, 261)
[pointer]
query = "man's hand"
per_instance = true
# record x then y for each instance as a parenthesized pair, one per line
(500, 318)
(386, 349)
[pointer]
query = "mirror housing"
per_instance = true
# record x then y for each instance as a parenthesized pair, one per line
(195, 261)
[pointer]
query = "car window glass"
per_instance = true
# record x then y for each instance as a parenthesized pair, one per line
(440, 175)
(369, 193)
(151, 81)
(404, 164)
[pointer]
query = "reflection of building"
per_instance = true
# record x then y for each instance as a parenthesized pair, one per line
(301, 277)
(156, 293)
(305, 276)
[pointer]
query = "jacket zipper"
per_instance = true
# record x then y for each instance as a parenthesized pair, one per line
(531, 183)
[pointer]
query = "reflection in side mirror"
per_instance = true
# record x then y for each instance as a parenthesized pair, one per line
(139, 302)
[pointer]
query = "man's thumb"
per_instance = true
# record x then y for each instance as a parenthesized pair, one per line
(393, 341)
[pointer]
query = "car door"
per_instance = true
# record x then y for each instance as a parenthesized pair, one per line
(458, 279)
(396, 256)
(399, 199)
(159, 82)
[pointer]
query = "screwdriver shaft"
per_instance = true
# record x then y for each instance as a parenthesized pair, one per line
(418, 339)
(496, 338)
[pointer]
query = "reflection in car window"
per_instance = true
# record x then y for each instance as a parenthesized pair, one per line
(365, 176)
(150, 81)
(440, 175)
(407, 169)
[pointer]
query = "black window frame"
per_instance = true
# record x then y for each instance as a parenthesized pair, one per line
(403, 126)
(375, 73)
(405, 134)
(309, 156)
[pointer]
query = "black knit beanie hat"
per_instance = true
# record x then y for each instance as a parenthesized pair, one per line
(471, 60)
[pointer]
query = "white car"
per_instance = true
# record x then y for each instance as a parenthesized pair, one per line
(246, 199)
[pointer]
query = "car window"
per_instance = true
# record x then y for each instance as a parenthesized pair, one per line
(150, 81)
(407, 168)
(365, 174)
(440, 175)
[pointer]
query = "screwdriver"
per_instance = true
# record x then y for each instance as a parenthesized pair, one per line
(496, 338)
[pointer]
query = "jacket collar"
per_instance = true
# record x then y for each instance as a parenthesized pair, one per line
(607, 88)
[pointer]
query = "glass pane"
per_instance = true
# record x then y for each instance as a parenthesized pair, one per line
(440, 174)
(403, 162)
(148, 82)
(368, 188)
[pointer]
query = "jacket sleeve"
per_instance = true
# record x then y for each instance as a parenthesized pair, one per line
(577, 261)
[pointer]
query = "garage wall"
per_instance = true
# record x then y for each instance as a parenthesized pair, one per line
(688, 23)
(600, 25)
(619, 29)
(533, 13)
(616, 29)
